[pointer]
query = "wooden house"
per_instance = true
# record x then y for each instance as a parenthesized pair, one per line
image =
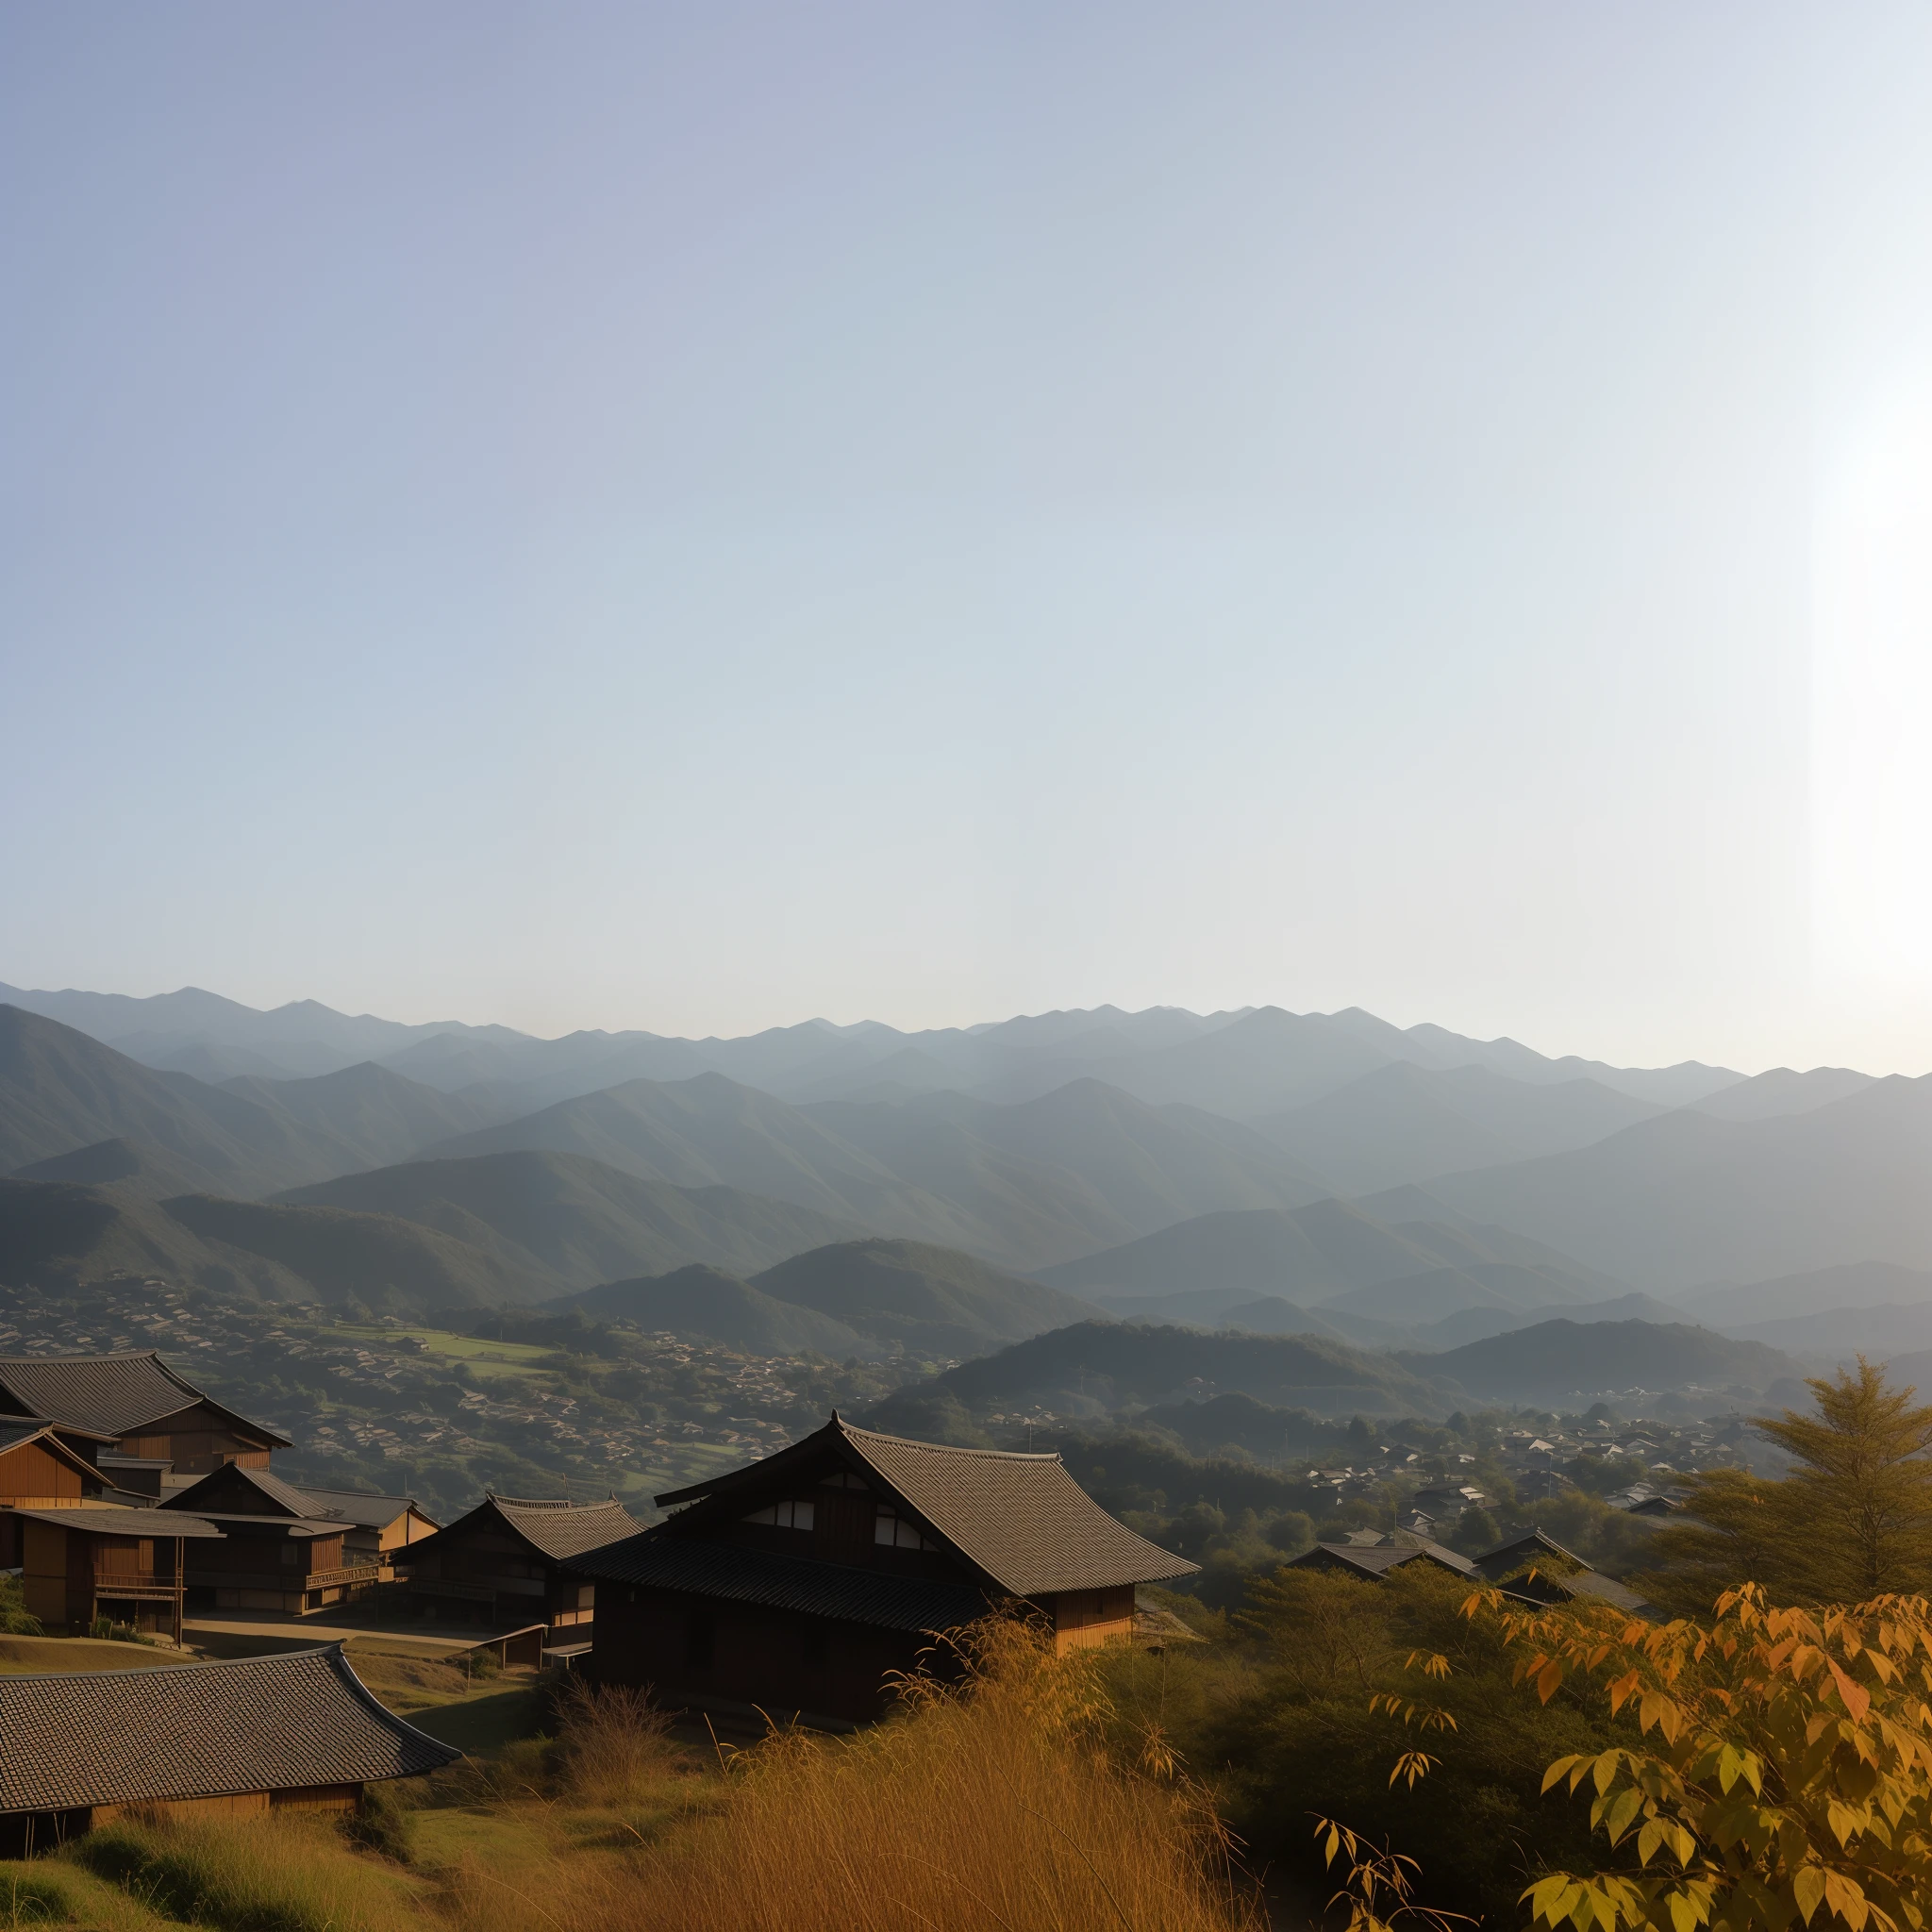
(293, 1549)
(1373, 1561)
(79, 1562)
(292, 1732)
(138, 1405)
(504, 1563)
(797, 1584)
(278, 1551)
(43, 1467)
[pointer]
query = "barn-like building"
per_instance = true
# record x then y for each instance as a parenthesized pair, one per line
(796, 1585)
(292, 1732)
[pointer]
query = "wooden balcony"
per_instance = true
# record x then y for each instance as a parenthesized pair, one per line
(164, 1585)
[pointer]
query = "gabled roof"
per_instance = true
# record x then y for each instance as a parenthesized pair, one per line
(1021, 1518)
(113, 1521)
(276, 1497)
(16, 1432)
(34, 1424)
(1377, 1561)
(360, 1508)
(74, 1737)
(119, 1393)
(1520, 1549)
(556, 1530)
(788, 1583)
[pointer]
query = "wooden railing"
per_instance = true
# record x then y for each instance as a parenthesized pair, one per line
(332, 1579)
(136, 1583)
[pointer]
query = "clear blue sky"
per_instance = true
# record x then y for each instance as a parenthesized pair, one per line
(694, 517)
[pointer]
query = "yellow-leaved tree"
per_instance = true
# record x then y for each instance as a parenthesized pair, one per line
(1779, 1770)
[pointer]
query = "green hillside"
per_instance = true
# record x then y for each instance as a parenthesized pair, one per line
(1558, 1360)
(384, 1262)
(1096, 1368)
(1334, 1250)
(931, 1298)
(580, 1220)
(707, 1303)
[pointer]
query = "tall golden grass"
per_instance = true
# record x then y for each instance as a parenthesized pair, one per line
(989, 1806)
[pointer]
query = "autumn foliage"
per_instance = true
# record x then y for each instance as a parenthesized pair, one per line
(1778, 1773)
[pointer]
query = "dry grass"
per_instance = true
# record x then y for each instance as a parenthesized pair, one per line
(999, 1806)
(990, 1806)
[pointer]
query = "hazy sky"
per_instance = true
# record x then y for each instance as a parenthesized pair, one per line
(696, 517)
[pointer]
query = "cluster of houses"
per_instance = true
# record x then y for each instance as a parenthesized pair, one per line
(798, 1584)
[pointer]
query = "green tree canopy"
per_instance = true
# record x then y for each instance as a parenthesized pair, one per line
(1852, 1521)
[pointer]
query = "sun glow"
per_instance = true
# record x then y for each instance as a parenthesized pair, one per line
(1871, 694)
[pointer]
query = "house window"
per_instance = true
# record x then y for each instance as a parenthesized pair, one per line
(891, 1529)
(785, 1515)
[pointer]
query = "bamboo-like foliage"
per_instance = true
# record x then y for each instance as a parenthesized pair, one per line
(1779, 1770)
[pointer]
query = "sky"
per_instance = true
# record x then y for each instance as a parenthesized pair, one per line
(692, 518)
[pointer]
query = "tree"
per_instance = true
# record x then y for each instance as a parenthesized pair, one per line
(1775, 1769)
(1852, 1521)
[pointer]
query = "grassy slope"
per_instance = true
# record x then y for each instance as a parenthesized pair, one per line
(579, 1219)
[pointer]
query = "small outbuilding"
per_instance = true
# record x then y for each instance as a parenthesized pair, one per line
(294, 1732)
(505, 1563)
(798, 1584)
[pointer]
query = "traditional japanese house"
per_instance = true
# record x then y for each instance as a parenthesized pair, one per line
(1374, 1561)
(298, 1551)
(505, 1563)
(43, 1466)
(377, 1529)
(795, 1585)
(80, 1563)
(292, 1732)
(139, 1405)
(1536, 1569)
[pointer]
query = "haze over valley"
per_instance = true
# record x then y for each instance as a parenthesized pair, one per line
(1453, 1221)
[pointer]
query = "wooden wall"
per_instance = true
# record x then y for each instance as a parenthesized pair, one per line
(704, 1650)
(35, 1479)
(1083, 1619)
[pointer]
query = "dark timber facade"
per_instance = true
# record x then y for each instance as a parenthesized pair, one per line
(505, 1564)
(796, 1585)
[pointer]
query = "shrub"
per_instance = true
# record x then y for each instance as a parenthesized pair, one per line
(382, 1824)
(613, 1744)
(14, 1620)
(1771, 1769)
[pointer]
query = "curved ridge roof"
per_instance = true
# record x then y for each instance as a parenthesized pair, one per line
(116, 1393)
(74, 1737)
(1020, 1518)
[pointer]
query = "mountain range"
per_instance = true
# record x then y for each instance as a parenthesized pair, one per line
(1323, 1175)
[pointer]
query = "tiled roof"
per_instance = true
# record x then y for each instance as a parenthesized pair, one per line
(355, 1505)
(1378, 1561)
(789, 1583)
(1520, 1549)
(272, 1489)
(113, 1522)
(1021, 1518)
(74, 1737)
(567, 1529)
(118, 1393)
(556, 1530)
